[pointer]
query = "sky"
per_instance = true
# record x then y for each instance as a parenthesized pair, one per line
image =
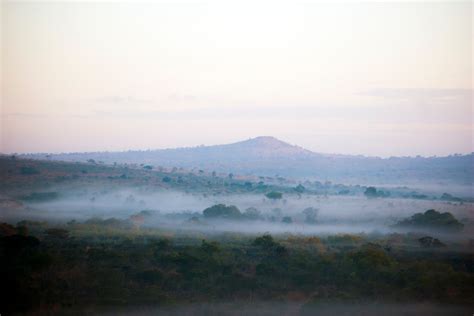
(372, 78)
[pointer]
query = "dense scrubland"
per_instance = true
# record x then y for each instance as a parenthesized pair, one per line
(126, 238)
(110, 263)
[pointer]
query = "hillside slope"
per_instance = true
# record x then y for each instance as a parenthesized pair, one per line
(268, 156)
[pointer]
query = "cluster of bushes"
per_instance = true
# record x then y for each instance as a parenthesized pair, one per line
(231, 212)
(451, 198)
(222, 211)
(40, 197)
(29, 170)
(274, 195)
(372, 192)
(432, 219)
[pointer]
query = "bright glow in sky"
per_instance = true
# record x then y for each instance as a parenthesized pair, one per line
(362, 78)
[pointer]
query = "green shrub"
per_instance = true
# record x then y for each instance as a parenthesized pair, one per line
(222, 211)
(274, 195)
(432, 219)
(27, 170)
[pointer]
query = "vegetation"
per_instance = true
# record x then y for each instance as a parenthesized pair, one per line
(222, 211)
(252, 213)
(372, 192)
(28, 170)
(429, 242)
(40, 197)
(49, 173)
(78, 267)
(300, 188)
(449, 197)
(432, 219)
(274, 195)
(145, 256)
(311, 214)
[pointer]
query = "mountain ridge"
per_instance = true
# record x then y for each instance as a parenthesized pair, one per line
(258, 140)
(269, 156)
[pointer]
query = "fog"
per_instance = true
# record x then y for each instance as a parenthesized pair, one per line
(184, 211)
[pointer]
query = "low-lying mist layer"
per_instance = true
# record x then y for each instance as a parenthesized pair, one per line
(306, 214)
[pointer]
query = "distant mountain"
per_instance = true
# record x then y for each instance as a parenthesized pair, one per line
(265, 146)
(268, 156)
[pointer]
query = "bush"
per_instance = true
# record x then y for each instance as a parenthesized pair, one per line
(300, 188)
(252, 213)
(222, 211)
(430, 242)
(372, 192)
(432, 219)
(449, 197)
(40, 197)
(266, 242)
(29, 171)
(311, 215)
(274, 195)
(57, 233)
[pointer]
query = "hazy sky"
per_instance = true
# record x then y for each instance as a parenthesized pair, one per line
(361, 78)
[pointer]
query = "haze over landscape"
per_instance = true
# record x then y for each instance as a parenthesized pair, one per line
(227, 158)
(268, 156)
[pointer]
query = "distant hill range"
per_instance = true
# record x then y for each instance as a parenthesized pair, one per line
(268, 156)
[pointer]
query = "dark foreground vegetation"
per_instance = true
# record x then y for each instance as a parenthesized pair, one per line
(94, 265)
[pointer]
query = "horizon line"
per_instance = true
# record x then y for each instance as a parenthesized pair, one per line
(230, 143)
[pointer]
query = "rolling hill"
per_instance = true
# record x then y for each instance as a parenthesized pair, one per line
(268, 156)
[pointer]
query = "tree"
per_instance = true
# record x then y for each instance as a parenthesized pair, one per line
(449, 197)
(266, 242)
(430, 242)
(57, 233)
(252, 213)
(222, 211)
(210, 247)
(311, 214)
(287, 220)
(300, 188)
(28, 170)
(274, 195)
(432, 219)
(371, 192)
